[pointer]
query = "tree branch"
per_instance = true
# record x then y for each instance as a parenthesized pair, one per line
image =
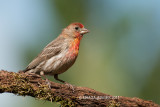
(32, 85)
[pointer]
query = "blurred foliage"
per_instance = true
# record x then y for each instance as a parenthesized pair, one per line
(71, 10)
(106, 62)
(151, 89)
(120, 54)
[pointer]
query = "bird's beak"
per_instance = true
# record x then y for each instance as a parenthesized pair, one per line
(84, 31)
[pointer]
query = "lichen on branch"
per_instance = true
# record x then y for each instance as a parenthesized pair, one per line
(33, 85)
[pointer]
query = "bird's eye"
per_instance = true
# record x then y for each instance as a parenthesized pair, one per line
(76, 28)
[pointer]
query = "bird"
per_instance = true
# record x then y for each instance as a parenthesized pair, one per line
(60, 54)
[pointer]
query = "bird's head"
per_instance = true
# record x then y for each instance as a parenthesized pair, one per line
(75, 30)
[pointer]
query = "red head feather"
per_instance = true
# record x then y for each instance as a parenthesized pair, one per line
(79, 24)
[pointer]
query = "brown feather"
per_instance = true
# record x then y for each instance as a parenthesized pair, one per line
(60, 54)
(52, 49)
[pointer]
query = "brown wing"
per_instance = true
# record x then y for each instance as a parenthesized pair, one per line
(49, 51)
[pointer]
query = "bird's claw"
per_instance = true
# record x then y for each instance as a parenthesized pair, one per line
(70, 86)
(48, 83)
(33, 75)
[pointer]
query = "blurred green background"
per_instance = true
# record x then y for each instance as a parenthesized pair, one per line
(120, 56)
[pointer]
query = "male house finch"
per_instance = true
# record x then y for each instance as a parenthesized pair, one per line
(60, 54)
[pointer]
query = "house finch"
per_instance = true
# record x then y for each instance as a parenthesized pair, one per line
(60, 54)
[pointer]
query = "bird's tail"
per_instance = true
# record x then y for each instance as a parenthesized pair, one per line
(23, 71)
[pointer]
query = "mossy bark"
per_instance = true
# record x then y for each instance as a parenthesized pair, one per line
(32, 85)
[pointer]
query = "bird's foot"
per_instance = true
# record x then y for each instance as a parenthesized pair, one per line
(33, 75)
(48, 83)
(70, 86)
